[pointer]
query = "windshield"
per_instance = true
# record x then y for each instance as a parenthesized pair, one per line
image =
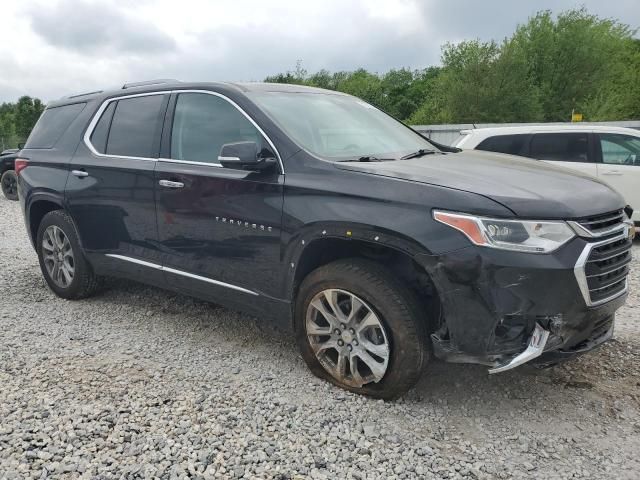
(339, 127)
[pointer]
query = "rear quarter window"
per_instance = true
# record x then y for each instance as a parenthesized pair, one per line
(52, 124)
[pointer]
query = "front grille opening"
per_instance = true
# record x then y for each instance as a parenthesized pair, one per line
(606, 269)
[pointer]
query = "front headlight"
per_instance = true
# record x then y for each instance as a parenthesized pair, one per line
(519, 235)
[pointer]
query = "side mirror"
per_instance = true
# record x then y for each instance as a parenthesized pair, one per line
(245, 156)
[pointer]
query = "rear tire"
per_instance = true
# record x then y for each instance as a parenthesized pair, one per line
(386, 331)
(63, 264)
(9, 182)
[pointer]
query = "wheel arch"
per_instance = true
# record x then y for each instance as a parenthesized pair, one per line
(396, 255)
(38, 208)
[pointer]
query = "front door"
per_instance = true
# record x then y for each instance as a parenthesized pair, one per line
(219, 228)
(620, 166)
(110, 190)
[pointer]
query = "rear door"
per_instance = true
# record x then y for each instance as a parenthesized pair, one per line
(619, 166)
(110, 191)
(574, 150)
(219, 228)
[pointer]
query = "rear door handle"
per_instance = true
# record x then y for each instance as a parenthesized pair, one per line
(170, 184)
(612, 172)
(80, 173)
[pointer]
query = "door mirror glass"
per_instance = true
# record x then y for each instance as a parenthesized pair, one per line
(245, 156)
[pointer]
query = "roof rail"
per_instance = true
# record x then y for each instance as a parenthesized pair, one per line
(84, 94)
(148, 82)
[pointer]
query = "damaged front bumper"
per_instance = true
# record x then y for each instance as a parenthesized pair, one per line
(503, 309)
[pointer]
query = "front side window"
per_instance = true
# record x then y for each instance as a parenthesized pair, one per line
(338, 127)
(620, 149)
(564, 147)
(511, 144)
(135, 128)
(203, 123)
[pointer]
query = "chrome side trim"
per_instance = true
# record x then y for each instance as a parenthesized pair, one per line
(535, 348)
(98, 114)
(180, 272)
(135, 260)
(209, 280)
(581, 276)
(231, 159)
(190, 162)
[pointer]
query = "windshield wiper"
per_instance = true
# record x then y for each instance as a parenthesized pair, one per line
(367, 158)
(419, 153)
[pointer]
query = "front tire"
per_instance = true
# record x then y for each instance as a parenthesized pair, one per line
(9, 182)
(63, 265)
(359, 328)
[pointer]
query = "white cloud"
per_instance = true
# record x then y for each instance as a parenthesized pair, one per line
(66, 46)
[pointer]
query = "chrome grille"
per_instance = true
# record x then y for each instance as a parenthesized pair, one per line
(600, 225)
(603, 267)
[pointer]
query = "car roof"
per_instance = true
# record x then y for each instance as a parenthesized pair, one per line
(160, 85)
(491, 131)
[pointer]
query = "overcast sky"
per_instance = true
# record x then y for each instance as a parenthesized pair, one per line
(52, 48)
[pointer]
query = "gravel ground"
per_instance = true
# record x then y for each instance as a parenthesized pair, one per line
(142, 383)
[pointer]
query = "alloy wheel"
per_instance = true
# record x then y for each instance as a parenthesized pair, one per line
(347, 337)
(58, 256)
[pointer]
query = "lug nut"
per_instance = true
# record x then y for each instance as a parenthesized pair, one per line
(349, 347)
(352, 331)
(343, 326)
(336, 331)
(355, 343)
(340, 342)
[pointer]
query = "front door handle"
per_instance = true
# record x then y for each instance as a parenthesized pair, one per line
(170, 184)
(80, 173)
(612, 172)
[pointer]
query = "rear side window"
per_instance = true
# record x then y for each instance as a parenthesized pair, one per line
(101, 131)
(565, 147)
(135, 128)
(511, 144)
(52, 124)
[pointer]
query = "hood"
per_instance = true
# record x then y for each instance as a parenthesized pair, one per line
(529, 188)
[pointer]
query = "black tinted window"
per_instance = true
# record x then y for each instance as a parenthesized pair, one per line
(567, 147)
(52, 124)
(100, 133)
(202, 123)
(135, 128)
(511, 144)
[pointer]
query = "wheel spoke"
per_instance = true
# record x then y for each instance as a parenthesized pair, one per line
(377, 368)
(356, 306)
(341, 366)
(381, 351)
(331, 296)
(324, 346)
(314, 329)
(370, 320)
(328, 316)
(355, 374)
(65, 275)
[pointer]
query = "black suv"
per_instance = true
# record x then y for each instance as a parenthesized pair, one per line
(320, 211)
